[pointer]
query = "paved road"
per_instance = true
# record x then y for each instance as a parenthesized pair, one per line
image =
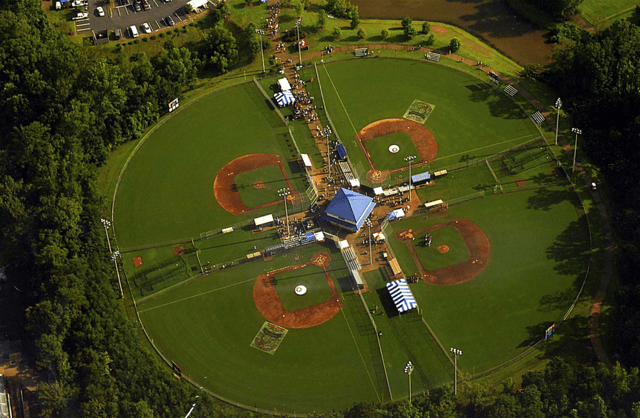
(124, 15)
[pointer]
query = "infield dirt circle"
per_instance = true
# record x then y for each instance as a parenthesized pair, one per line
(476, 242)
(224, 186)
(265, 296)
(421, 137)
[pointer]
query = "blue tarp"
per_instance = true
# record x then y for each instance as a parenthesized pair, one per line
(309, 236)
(401, 295)
(421, 177)
(342, 152)
(391, 216)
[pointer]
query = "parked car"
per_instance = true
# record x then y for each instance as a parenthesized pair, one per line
(80, 15)
(136, 6)
(145, 4)
(593, 186)
(170, 21)
(100, 11)
(145, 27)
(117, 33)
(134, 31)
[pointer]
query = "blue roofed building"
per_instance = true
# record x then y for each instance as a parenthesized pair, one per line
(348, 210)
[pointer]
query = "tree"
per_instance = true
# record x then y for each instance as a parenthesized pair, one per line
(431, 39)
(426, 27)
(355, 22)
(299, 9)
(384, 34)
(188, 8)
(361, 33)
(407, 28)
(322, 18)
(221, 49)
(248, 2)
(306, 4)
(336, 33)
(454, 45)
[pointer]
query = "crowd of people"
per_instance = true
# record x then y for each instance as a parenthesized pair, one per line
(272, 20)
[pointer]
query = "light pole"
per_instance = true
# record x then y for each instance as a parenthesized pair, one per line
(261, 32)
(558, 106)
(298, 32)
(409, 159)
(284, 193)
(575, 148)
(192, 408)
(369, 224)
(327, 132)
(456, 353)
(106, 223)
(408, 369)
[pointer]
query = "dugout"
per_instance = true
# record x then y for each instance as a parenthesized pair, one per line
(421, 178)
(395, 267)
(434, 205)
(342, 152)
(306, 161)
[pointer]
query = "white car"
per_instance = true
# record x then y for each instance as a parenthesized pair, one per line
(145, 27)
(100, 10)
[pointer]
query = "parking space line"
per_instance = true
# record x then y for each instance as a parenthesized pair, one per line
(176, 13)
(159, 27)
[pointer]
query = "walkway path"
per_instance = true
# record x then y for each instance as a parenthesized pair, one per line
(605, 280)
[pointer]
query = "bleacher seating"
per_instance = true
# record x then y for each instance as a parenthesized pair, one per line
(433, 56)
(510, 90)
(538, 118)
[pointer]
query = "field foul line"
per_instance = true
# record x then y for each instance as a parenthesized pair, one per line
(194, 296)
(487, 146)
(360, 353)
(339, 98)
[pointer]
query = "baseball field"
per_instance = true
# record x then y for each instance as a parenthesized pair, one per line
(506, 258)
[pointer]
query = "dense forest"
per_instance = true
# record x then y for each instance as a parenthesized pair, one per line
(63, 111)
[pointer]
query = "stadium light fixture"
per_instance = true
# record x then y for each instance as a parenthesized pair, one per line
(558, 106)
(408, 369)
(409, 159)
(261, 32)
(575, 147)
(284, 192)
(456, 353)
(114, 255)
(192, 408)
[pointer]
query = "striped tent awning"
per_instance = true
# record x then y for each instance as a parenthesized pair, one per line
(401, 295)
(284, 99)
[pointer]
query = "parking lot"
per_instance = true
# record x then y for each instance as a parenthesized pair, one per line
(124, 15)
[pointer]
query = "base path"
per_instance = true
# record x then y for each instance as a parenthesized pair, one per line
(421, 137)
(265, 296)
(224, 186)
(475, 240)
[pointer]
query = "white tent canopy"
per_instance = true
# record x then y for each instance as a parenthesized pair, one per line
(284, 84)
(267, 219)
(198, 3)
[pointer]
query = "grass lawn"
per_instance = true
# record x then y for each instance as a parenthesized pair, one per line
(539, 249)
(312, 278)
(594, 10)
(431, 258)
(207, 326)
(378, 149)
(471, 119)
(270, 176)
(166, 192)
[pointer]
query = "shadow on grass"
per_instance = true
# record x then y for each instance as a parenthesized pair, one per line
(572, 338)
(544, 199)
(499, 107)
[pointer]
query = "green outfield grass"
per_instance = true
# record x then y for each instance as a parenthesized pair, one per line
(595, 10)
(166, 192)
(312, 278)
(378, 149)
(431, 258)
(539, 251)
(273, 181)
(471, 119)
(207, 325)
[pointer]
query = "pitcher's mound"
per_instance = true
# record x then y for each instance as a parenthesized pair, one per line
(259, 185)
(443, 249)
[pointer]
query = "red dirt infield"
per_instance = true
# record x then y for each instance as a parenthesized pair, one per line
(475, 240)
(137, 261)
(224, 188)
(266, 298)
(421, 137)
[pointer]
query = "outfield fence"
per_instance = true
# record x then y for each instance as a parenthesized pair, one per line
(467, 198)
(270, 100)
(375, 328)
